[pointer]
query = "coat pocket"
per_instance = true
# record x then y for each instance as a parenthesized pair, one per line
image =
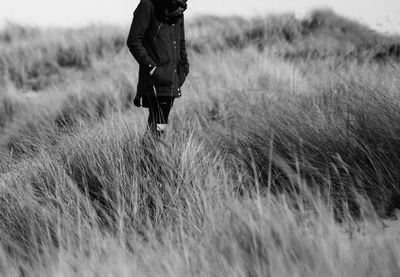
(163, 75)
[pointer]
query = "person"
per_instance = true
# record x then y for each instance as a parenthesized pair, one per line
(157, 41)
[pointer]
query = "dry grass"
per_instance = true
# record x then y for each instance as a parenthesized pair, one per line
(276, 163)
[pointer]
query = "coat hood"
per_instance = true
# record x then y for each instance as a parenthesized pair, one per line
(169, 11)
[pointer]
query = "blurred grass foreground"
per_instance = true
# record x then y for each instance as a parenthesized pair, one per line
(282, 158)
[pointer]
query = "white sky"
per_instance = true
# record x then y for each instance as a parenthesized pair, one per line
(383, 15)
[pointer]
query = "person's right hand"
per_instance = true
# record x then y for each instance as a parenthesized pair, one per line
(136, 101)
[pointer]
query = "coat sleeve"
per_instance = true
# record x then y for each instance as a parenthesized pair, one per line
(183, 54)
(140, 23)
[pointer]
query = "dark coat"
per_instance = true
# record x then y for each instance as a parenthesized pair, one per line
(162, 44)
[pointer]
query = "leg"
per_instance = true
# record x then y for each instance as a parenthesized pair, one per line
(153, 115)
(165, 106)
(159, 110)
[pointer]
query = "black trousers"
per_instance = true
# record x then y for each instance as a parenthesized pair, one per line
(159, 110)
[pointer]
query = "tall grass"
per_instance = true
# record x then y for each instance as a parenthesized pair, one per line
(322, 34)
(35, 63)
(100, 204)
(272, 166)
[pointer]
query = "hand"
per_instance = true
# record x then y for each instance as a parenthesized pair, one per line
(152, 71)
(136, 101)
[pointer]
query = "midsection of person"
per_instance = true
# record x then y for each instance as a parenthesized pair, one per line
(166, 49)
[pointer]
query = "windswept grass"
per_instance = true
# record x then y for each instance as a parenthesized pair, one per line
(37, 62)
(277, 163)
(107, 200)
(321, 35)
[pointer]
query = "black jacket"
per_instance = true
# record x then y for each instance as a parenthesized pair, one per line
(155, 43)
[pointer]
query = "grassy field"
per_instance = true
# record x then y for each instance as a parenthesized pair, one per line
(281, 159)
